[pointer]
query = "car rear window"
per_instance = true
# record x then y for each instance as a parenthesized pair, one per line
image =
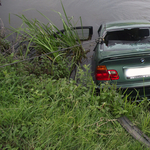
(127, 38)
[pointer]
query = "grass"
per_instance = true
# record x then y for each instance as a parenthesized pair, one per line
(44, 113)
(45, 38)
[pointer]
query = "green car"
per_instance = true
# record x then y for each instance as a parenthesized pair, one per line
(122, 56)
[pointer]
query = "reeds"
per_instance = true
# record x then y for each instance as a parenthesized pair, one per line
(47, 38)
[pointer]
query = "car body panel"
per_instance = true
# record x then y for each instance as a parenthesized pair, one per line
(126, 24)
(117, 25)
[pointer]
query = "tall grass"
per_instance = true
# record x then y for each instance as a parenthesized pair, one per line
(43, 113)
(47, 38)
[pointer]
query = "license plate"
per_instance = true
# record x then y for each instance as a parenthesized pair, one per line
(142, 72)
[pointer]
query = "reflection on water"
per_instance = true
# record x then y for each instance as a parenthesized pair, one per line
(92, 12)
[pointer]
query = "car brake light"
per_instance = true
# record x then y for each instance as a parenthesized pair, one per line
(103, 74)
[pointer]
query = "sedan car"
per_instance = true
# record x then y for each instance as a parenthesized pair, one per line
(122, 55)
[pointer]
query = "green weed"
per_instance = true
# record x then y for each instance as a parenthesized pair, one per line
(38, 112)
(45, 38)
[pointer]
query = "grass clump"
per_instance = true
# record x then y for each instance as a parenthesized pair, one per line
(44, 113)
(46, 38)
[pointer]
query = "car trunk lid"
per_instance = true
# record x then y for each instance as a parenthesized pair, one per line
(133, 67)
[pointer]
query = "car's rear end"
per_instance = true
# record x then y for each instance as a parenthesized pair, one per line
(125, 61)
(131, 71)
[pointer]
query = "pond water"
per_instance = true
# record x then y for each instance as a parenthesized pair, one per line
(93, 13)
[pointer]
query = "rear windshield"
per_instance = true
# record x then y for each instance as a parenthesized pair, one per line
(127, 39)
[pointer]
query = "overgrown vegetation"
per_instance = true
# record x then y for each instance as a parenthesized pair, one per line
(46, 38)
(43, 113)
(39, 112)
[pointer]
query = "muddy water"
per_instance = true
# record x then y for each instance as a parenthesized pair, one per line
(93, 12)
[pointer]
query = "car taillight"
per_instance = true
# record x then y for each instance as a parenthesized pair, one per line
(103, 74)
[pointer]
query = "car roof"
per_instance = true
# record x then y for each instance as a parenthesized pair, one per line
(126, 24)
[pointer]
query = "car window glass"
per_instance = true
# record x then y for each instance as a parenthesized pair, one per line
(134, 36)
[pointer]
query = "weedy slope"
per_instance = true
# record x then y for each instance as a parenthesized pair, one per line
(43, 113)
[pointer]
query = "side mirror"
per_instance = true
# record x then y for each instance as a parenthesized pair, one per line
(84, 33)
